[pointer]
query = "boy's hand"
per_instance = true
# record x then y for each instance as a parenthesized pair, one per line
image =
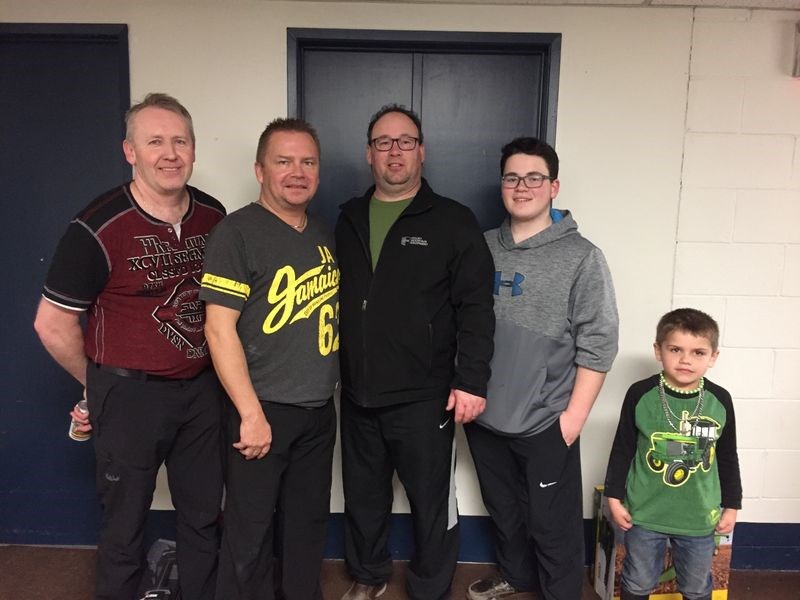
(570, 427)
(619, 514)
(727, 520)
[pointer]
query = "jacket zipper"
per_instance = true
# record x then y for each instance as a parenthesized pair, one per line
(365, 248)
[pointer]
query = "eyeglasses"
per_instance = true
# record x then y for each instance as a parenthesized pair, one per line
(385, 143)
(532, 180)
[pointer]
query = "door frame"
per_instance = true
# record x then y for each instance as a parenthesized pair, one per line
(548, 45)
(113, 34)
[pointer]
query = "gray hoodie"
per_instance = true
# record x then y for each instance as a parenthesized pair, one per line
(555, 309)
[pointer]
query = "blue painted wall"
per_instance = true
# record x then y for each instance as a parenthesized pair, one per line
(64, 92)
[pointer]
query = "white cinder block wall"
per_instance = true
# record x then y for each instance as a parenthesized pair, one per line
(738, 238)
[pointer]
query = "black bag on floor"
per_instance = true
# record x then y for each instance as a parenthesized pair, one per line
(160, 580)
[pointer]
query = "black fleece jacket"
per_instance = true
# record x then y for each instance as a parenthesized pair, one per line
(423, 321)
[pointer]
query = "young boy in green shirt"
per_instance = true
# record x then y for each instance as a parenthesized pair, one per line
(673, 473)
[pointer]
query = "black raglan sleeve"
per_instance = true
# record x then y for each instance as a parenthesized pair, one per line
(79, 269)
(623, 449)
(730, 480)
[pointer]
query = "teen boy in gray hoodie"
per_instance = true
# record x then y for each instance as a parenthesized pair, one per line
(555, 339)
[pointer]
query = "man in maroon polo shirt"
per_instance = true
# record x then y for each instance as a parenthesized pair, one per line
(131, 261)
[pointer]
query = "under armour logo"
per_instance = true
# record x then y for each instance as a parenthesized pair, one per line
(514, 284)
(112, 478)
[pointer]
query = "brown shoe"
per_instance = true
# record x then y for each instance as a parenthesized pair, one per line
(362, 591)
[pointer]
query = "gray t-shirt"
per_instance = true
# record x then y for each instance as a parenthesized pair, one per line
(285, 283)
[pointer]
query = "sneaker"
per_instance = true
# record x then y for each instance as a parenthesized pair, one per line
(491, 588)
(362, 591)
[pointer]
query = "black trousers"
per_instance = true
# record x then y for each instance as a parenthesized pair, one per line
(138, 425)
(278, 503)
(416, 440)
(531, 487)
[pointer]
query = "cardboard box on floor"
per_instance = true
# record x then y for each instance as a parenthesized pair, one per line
(609, 552)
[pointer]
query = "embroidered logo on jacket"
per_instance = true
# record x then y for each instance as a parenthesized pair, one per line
(413, 240)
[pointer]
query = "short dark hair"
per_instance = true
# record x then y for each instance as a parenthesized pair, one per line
(534, 147)
(394, 108)
(291, 124)
(688, 320)
(157, 100)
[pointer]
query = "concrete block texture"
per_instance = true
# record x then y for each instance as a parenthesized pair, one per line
(771, 105)
(730, 269)
(791, 273)
(712, 305)
(738, 161)
(715, 105)
(795, 180)
(762, 322)
(786, 379)
(751, 466)
(745, 372)
(768, 216)
(769, 510)
(706, 215)
(769, 425)
(742, 48)
(780, 474)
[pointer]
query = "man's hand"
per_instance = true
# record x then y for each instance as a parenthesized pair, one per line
(619, 514)
(727, 520)
(82, 418)
(467, 406)
(227, 353)
(255, 437)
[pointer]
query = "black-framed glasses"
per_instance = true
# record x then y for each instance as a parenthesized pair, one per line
(385, 143)
(532, 180)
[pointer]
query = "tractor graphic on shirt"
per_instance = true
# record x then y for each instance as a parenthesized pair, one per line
(678, 455)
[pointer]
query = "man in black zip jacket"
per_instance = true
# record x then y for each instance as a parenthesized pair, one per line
(416, 327)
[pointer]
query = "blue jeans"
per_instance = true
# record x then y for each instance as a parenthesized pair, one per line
(644, 562)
